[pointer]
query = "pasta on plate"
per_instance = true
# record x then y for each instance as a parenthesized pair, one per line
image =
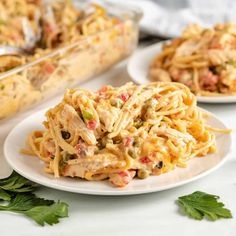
(120, 133)
(203, 59)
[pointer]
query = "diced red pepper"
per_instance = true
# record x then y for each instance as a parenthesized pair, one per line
(124, 97)
(153, 154)
(97, 99)
(79, 148)
(49, 68)
(216, 45)
(157, 96)
(92, 124)
(48, 154)
(144, 160)
(128, 141)
(121, 179)
(122, 28)
(123, 174)
(103, 89)
(48, 28)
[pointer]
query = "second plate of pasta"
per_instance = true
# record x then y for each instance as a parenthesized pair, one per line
(138, 69)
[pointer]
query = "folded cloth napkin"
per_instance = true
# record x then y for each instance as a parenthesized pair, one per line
(167, 18)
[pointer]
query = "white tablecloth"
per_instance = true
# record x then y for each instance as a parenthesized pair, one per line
(149, 214)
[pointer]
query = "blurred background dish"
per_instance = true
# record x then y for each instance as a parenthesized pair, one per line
(74, 45)
(138, 69)
(167, 18)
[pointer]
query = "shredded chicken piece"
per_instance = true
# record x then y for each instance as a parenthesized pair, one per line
(77, 123)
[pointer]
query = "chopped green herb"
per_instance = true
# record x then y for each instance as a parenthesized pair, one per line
(199, 205)
(17, 191)
(117, 102)
(133, 153)
(105, 140)
(232, 62)
(138, 123)
(87, 115)
(25, 201)
(66, 157)
(137, 141)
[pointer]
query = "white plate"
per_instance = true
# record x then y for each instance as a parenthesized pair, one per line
(32, 168)
(138, 67)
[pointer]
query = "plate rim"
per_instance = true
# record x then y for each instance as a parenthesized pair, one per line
(221, 99)
(114, 191)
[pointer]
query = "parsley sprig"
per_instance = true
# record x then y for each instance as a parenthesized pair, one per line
(15, 183)
(17, 191)
(199, 205)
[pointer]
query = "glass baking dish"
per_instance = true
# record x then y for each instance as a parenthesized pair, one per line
(28, 84)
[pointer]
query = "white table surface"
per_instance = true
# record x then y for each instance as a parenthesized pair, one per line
(147, 214)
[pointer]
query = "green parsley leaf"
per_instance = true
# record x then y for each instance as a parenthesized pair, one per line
(17, 190)
(41, 210)
(199, 205)
(48, 214)
(24, 202)
(4, 195)
(17, 183)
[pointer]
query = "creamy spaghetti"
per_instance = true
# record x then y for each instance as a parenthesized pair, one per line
(203, 59)
(120, 133)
